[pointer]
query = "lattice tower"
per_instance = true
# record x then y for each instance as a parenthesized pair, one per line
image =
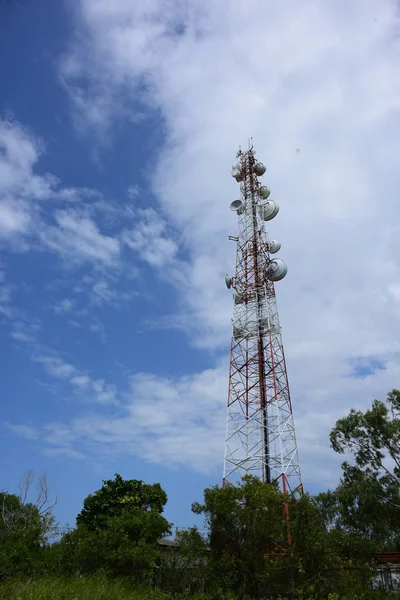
(260, 432)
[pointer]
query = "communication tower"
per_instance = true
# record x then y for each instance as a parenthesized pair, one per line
(260, 434)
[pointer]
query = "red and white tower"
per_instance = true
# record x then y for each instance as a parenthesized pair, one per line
(260, 434)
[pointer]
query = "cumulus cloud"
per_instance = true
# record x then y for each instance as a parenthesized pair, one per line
(318, 87)
(77, 237)
(149, 239)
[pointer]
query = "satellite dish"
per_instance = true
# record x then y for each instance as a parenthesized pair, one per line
(236, 169)
(264, 192)
(274, 246)
(276, 270)
(236, 205)
(260, 169)
(228, 281)
(269, 210)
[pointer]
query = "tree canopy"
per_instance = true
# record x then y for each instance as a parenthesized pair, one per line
(117, 496)
(251, 552)
(366, 503)
(118, 529)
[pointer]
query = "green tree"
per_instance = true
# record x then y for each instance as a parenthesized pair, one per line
(115, 496)
(25, 527)
(251, 552)
(366, 503)
(118, 530)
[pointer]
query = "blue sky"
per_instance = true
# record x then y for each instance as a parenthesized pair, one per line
(110, 342)
(119, 124)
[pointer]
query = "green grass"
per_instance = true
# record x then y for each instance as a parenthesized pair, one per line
(99, 588)
(76, 588)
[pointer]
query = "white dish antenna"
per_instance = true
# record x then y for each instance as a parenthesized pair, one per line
(236, 205)
(269, 210)
(260, 169)
(264, 192)
(237, 171)
(228, 281)
(274, 246)
(276, 270)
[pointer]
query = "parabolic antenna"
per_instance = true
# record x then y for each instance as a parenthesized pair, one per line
(269, 210)
(236, 168)
(276, 269)
(228, 281)
(236, 205)
(264, 192)
(260, 169)
(274, 246)
(237, 171)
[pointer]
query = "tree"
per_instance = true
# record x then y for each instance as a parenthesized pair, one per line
(115, 496)
(250, 550)
(25, 527)
(243, 522)
(117, 530)
(248, 528)
(366, 504)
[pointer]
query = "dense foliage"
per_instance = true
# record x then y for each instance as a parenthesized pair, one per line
(118, 495)
(117, 531)
(259, 542)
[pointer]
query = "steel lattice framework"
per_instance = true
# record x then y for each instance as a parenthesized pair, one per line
(260, 433)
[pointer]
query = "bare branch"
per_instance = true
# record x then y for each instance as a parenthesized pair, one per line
(24, 486)
(389, 501)
(43, 492)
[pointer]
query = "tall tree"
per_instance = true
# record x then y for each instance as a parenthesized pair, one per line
(366, 504)
(116, 495)
(118, 529)
(250, 551)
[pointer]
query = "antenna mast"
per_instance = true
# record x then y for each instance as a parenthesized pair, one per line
(260, 435)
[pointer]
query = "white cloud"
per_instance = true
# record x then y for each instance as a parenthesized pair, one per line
(133, 191)
(317, 77)
(82, 385)
(77, 237)
(25, 431)
(20, 336)
(180, 422)
(175, 421)
(149, 239)
(63, 306)
(12, 219)
(56, 367)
